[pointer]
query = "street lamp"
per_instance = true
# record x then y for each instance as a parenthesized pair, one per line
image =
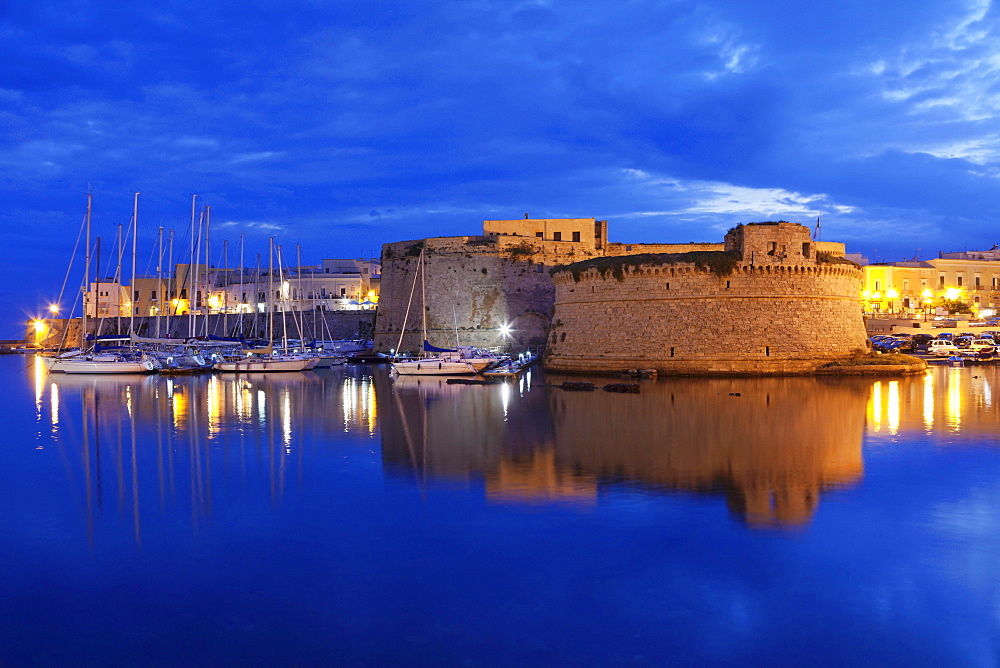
(891, 294)
(928, 297)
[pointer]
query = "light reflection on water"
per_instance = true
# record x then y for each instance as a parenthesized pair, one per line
(372, 488)
(771, 447)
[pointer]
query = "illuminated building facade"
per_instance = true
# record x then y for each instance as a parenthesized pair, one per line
(919, 286)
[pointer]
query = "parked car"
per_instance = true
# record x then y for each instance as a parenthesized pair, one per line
(944, 323)
(942, 348)
(979, 345)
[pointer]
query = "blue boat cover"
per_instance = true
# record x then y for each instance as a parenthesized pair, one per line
(428, 348)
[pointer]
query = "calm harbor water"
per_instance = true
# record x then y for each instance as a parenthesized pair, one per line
(342, 517)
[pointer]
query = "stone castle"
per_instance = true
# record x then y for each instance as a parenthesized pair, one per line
(768, 300)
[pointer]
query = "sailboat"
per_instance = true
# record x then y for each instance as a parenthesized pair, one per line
(265, 359)
(446, 362)
(93, 360)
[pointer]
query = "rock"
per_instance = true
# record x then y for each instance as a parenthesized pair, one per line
(578, 386)
(624, 388)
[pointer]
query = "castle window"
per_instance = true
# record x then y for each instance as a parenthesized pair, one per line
(557, 236)
(576, 236)
(774, 248)
(767, 351)
(805, 250)
(668, 286)
(671, 352)
(727, 285)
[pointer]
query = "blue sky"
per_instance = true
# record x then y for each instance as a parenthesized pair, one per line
(340, 126)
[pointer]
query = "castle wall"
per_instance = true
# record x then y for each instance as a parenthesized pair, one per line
(473, 286)
(780, 310)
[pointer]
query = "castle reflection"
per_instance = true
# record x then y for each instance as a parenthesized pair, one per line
(770, 446)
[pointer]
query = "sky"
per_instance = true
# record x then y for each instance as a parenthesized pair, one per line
(337, 126)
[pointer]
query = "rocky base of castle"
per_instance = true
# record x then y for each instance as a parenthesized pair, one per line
(722, 366)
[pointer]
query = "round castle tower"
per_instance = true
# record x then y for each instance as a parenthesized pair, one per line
(770, 303)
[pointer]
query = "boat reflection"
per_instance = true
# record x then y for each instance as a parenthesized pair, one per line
(165, 443)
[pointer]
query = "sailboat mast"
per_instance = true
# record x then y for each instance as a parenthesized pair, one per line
(159, 278)
(270, 291)
(172, 283)
(239, 320)
(135, 293)
(190, 276)
(226, 283)
(423, 298)
(208, 280)
(86, 278)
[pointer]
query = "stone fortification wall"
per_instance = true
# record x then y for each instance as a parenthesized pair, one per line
(616, 249)
(473, 286)
(769, 304)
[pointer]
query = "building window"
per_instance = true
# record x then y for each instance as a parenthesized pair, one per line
(538, 234)
(805, 250)
(343, 292)
(959, 281)
(152, 295)
(977, 283)
(941, 280)
(557, 236)
(878, 286)
(906, 286)
(576, 236)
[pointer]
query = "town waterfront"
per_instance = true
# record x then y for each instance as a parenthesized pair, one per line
(341, 516)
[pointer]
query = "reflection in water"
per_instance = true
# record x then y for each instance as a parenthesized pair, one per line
(770, 445)
(943, 403)
(171, 438)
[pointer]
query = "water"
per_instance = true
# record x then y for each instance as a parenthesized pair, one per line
(339, 517)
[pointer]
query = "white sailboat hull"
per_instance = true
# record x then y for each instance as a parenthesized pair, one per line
(255, 365)
(96, 364)
(434, 367)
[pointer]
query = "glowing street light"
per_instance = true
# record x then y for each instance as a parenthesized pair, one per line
(54, 309)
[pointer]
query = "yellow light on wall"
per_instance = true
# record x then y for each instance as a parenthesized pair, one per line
(952, 294)
(927, 295)
(891, 294)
